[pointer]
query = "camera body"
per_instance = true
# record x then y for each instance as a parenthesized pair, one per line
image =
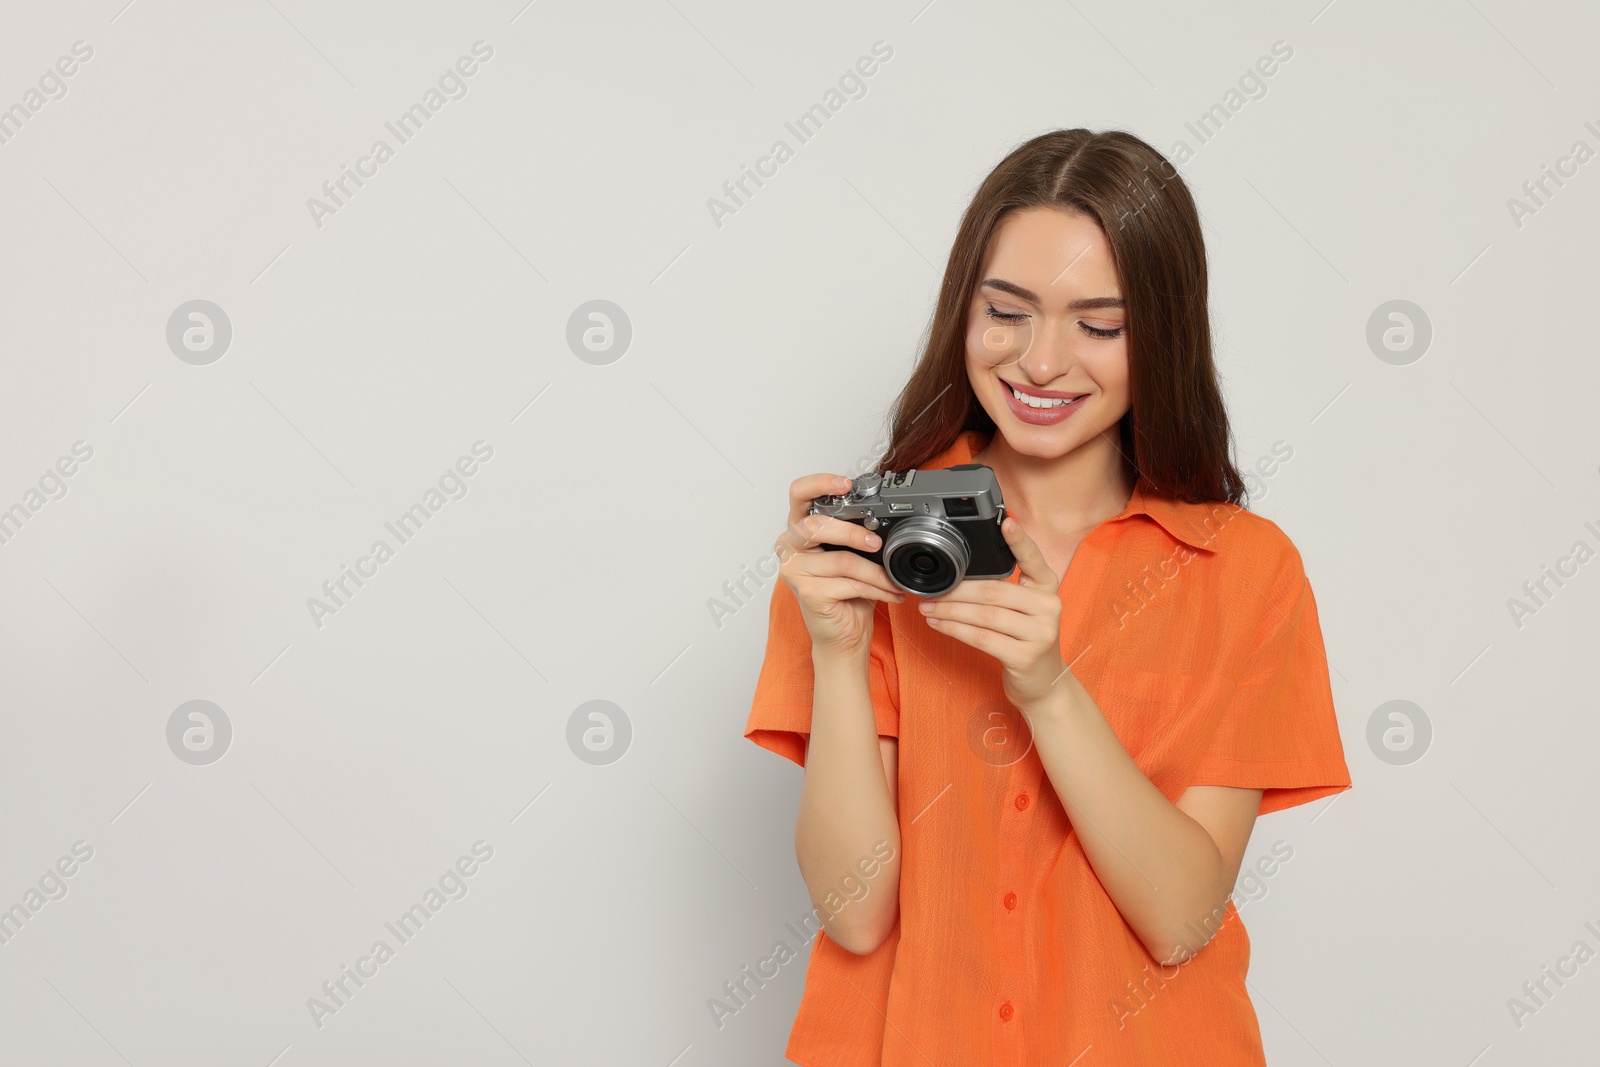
(938, 526)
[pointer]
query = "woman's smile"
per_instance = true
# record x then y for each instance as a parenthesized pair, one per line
(1040, 407)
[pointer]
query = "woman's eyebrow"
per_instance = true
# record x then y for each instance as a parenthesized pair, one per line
(1029, 295)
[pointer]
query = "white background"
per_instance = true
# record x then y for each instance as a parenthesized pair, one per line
(369, 352)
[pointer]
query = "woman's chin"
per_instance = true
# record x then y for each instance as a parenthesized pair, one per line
(1036, 442)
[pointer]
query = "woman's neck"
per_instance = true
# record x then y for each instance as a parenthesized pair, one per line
(1064, 496)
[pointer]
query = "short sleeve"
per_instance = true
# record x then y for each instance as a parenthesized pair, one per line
(1279, 732)
(780, 714)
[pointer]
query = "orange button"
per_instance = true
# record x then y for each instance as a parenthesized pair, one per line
(1022, 802)
(1006, 1011)
(1010, 901)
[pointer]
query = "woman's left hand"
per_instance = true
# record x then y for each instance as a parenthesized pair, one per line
(1018, 624)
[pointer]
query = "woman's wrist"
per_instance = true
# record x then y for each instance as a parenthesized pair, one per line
(1060, 702)
(834, 659)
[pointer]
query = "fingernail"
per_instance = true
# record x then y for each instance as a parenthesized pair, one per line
(926, 608)
(872, 540)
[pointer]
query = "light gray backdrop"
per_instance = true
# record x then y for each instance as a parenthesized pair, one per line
(633, 456)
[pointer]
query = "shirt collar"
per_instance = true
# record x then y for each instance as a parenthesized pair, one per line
(1196, 525)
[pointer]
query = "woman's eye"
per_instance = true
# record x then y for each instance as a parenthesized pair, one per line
(1015, 317)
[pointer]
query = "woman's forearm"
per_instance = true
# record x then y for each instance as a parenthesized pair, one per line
(1160, 867)
(847, 808)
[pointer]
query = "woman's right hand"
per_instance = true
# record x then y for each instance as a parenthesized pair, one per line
(836, 590)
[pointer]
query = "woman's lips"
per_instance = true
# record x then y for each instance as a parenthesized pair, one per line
(1039, 416)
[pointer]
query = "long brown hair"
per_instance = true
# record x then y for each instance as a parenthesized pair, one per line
(1175, 435)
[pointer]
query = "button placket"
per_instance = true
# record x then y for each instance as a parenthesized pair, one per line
(1025, 779)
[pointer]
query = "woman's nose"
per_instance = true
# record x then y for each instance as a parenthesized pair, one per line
(1049, 353)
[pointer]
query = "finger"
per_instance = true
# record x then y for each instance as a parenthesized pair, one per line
(813, 531)
(998, 645)
(818, 588)
(842, 565)
(1035, 571)
(991, 591)
(802, 491)
(1005, 621)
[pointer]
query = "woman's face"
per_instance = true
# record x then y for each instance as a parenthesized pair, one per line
(1047, 344)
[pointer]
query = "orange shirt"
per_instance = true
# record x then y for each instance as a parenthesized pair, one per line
(1194, 628)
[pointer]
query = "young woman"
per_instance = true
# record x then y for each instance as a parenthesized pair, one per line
(1027, 801)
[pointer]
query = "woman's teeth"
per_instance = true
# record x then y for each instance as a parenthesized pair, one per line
(1038, 401)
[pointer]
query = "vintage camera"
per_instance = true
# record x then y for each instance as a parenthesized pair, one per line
(938, 526)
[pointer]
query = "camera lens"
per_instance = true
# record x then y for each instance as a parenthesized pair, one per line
(926, 556)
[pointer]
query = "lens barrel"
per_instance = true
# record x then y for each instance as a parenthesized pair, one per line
(925, 555)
